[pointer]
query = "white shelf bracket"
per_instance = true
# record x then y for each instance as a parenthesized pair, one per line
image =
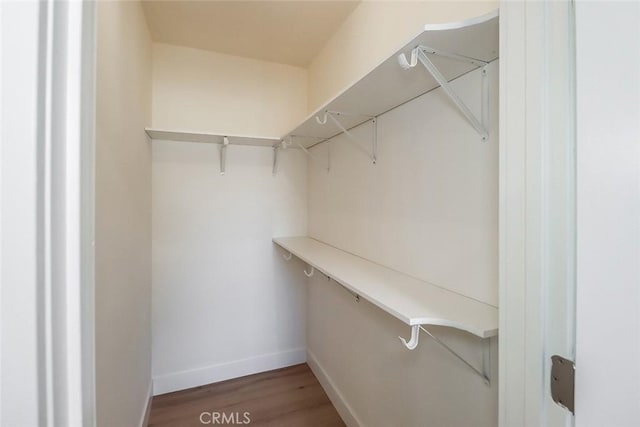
(310, 273)
(486, 360)
(223, 154)
(275, 160)
(352, 138)
(419, 54)
(287, 257)
(413, 341)
(485, 373)
(323, 120)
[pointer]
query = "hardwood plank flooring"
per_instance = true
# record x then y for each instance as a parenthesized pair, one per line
(288, 397)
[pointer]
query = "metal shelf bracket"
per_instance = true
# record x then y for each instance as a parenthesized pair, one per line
(415, 337)
(275, 160)
(333, 116)
(223, 154)
(419, 54)
(484, 373)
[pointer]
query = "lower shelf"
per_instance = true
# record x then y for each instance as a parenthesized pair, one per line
(412, 301)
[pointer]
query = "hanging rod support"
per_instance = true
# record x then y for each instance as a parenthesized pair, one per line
(419, 54)
(310, 273)
(287, 257)
(223, 154)
(275, 160)
(352, 138)
(486, 356)
(413, 341)
(323, 120)
(484, 114)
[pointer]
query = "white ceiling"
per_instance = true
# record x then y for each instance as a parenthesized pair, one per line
(288, 32)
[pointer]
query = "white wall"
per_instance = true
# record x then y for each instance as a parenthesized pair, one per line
(205, 91)
(429, 208)
(123, 215)
(608, 249)
(225, 304)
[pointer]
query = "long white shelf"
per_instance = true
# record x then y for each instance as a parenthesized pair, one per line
(388, 85)
(385, 87)
(215, 138)
(412, 301)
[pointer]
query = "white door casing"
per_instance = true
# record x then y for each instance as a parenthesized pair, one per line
(537, 308)
(46, 212)
(537, 207)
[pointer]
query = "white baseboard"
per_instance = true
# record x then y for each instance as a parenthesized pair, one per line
(225, 371)
(144, 419)
(346, 412)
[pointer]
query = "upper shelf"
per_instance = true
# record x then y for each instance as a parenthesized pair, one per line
(176, 135)
(388, 85)
(413, 301)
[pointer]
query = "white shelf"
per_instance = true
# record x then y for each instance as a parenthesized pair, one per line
(384, 88)
(185, 136)
(412, 301)
(388, 85)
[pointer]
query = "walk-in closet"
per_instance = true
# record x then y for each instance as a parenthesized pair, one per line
(338, 210)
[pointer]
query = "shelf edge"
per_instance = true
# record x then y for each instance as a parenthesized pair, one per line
(488, 333)
(469, 22)
(150, 130)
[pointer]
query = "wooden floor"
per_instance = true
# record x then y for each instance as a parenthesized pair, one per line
(288, 397)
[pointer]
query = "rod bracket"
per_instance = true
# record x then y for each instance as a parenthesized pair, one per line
(333, 116)
(323, 120)
(274, 168)
(413, 341)
(485, 372)
(223, 154)
(420, 54)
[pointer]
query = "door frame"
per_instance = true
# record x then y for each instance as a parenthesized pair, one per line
(608, 207)
(522, 44)
(47, 213)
